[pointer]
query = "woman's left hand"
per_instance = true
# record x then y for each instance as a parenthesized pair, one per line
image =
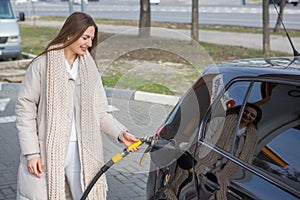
(128, 139)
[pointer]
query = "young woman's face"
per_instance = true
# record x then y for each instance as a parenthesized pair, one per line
(80, 46)
(249, 114)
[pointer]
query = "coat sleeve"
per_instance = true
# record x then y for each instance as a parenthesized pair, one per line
(109, 125)
(27, 110)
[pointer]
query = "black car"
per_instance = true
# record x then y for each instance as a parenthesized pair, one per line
(235, 134)
(294, 2)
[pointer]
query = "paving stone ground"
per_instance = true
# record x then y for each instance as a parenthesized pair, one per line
(126, 179)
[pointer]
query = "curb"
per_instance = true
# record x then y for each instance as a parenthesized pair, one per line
(9, 86)
(162, 99)
(17, 64)
(156, 98)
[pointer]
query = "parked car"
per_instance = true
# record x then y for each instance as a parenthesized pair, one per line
(294, 2)
(155, 2)
(10, 40)
(20, 1)
(233, 135)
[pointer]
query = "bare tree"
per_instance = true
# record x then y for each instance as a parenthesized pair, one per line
(195, 22)
(280, 16)
(145, 18)
(266, 32)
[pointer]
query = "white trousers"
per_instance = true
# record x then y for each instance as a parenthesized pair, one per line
(72, 170)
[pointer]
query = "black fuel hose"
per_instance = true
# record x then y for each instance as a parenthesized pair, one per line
(111, 162)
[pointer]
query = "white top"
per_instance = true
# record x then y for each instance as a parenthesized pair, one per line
(73, 73)
(241, 132)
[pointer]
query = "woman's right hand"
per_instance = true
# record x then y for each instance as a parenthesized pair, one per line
(35, 166)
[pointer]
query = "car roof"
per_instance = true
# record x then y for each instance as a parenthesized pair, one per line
(257, 67)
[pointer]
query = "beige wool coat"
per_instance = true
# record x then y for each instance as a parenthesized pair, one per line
(31, 112)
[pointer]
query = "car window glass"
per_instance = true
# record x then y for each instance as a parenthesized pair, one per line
(5, 10)
(237, 93)
(224, 115)
(260, 126)
(233, 96)
(280, 157)
(256, 93)
(261, 92)
(277, 149)
(233, 131)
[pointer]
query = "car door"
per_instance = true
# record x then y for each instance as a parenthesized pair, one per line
(266, 166)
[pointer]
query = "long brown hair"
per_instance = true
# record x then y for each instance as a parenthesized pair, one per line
(73, 28)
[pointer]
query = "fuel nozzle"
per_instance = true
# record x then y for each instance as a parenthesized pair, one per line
(151, 142)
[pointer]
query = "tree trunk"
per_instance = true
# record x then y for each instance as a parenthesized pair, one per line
(145, 18)
(195, 22)
(280, 16)
(266, 32)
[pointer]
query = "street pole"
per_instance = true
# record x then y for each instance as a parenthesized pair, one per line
(83, 5)
(71, 7)
(244, 2)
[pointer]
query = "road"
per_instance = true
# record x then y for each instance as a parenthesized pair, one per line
(177, 12)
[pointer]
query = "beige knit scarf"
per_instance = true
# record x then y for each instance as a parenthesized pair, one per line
(89, 137)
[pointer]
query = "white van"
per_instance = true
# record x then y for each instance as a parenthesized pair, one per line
(10, 40)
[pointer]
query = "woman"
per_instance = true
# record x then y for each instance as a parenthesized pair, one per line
(61, 109)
